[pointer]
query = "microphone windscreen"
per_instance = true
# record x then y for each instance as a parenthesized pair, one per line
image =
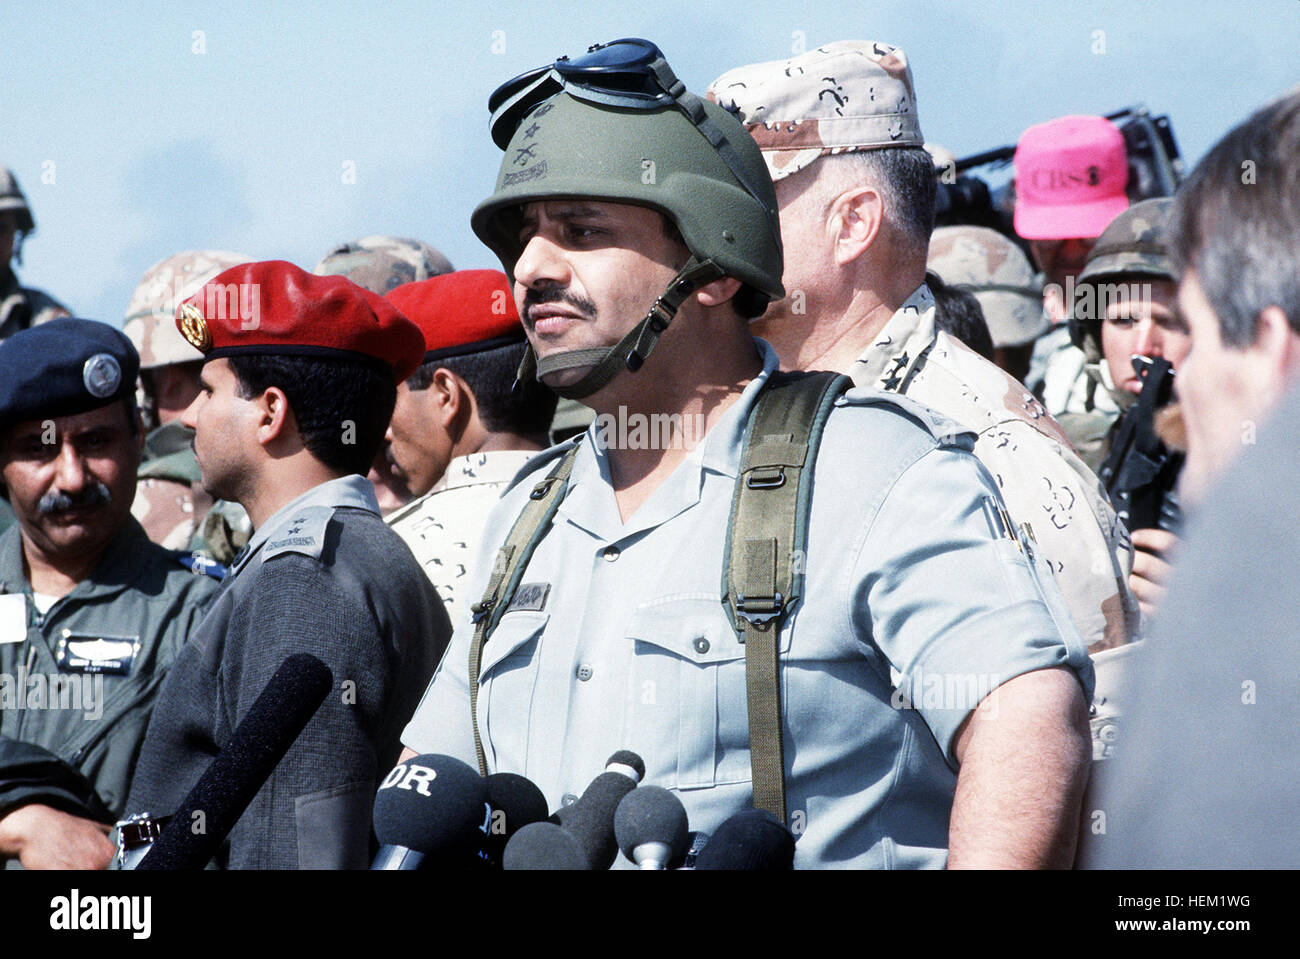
(751, 840)
(651, 814)
(433, 804)
(516, 802)
(591, 818)
(543, 845)
(257, 745)
(625, 757)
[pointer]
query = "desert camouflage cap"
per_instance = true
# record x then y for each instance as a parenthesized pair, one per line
(12, 198)
(151, 315)
(844, 96)
(383, 263)
(986, 263)
(1133, 243)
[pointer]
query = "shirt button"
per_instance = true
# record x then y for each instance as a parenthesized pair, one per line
(609, 553)
(584, 672)
(568, 799)
(701, 645)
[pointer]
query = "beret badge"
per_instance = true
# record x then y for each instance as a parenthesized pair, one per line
(190, 321)
(101, 375)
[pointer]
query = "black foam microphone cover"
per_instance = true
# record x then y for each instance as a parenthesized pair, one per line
(435, 806)
(516, 802)
(752, 840)
(650, 826)
(590, 819)
(543, 845)
(257, 745)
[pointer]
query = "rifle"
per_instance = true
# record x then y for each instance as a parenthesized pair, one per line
(1141, 473)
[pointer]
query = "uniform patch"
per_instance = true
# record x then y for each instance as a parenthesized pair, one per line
(530, 596)
(83, 653)
(303, 532)
(13, 618)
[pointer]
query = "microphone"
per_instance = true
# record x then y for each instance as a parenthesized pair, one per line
(696, 841)
(650, 826)
(516, 802)
(590, 820)
(543, 845)
(752, 840)
(430, 812)
(238, 772)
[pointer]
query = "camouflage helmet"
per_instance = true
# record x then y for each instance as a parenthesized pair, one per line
(987, 264)
(381, 264)
(1133, 245)
(12, 198)
(150, 317)
(567, 147)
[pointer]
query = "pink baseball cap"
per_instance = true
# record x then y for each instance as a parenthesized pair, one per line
(1070, 178)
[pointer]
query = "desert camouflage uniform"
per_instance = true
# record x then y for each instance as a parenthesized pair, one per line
(444, 526)
(988, 265)
(1042, 480)
(170, 501)
(860, 96)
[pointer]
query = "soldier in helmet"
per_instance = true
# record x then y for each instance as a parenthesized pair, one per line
(170, 502)
(641, 233)
(381, 264)
(857, 194)
(20, 307)
(987, 264)
(1125, 321)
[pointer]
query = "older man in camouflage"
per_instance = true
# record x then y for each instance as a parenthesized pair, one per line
(839, 130)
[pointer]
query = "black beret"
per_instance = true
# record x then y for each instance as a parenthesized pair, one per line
(64, 367)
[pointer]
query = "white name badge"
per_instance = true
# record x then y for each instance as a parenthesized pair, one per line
(13, 618)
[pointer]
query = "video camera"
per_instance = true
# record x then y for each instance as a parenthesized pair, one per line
(1155, 168)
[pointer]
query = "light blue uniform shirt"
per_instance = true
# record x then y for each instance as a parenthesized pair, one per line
(907, 583)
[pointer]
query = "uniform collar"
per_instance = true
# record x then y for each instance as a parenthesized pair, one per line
(475, 469)
(118, 568)
(590, 501)
(890, 361)
(351, 491)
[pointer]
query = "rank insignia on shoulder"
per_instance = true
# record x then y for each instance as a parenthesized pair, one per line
(302, 533)
(88, 653)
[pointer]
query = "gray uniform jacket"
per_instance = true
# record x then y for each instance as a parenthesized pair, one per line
(77, 685)
(324, 576)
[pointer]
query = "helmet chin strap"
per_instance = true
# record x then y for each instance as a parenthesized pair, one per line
(631, 351)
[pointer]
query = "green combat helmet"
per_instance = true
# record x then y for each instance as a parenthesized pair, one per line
(618, 125)
(1133, 245)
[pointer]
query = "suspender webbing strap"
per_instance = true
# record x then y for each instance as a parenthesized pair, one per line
(763, 569)
(511, 560)
(762, 574)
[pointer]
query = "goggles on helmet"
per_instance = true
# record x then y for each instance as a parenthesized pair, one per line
(630, 74)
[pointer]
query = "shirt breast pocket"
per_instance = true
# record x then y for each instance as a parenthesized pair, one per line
(686, 714)
(508, 679)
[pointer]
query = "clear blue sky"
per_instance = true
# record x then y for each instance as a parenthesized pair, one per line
(166, 127)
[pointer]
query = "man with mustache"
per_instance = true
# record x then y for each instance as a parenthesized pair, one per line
(91, 612)
(642, 236)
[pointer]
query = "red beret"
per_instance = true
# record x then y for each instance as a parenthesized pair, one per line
(468, 311)
(274, 307)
